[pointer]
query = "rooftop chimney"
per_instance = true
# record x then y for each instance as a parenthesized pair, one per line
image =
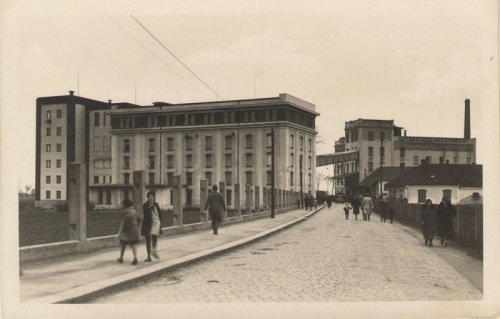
(71, 92)
(467, 119)
(109, 101)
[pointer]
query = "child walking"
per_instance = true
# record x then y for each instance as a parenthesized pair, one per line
(346, 210)
(129, 230)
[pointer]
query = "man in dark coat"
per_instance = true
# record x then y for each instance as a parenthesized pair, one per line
(445, 215)
(216, 208)
(151, 225)
(383, 208)
(355, 203)
(428, 221)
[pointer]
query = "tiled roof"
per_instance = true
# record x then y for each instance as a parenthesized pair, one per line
(388, 173)
(465, 175)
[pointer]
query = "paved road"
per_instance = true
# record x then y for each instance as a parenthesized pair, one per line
(323, 259)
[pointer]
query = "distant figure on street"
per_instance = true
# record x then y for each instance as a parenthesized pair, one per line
(428, 221)
(391, 213)
(383, 208)
(328, 202)
(151, 225)
(445, 215)
(346, 210)
(129, 230)
(355, 203)
(307, 202)
(298, 203)
(216, 208)
(367, 206)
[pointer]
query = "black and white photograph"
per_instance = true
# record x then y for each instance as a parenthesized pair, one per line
(264, 159)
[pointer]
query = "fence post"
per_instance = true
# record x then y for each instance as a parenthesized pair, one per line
(77, 202)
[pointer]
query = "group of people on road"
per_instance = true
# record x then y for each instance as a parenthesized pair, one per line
(438, 220)
(132, 226)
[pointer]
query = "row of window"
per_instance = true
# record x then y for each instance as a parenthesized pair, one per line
(102, 179)
(48, 131)
(48, 163)
(222, 117)
(48, 195)
(352, 136)
(48, 147)
(49, 114)
(97, 119)
(105, 145)
(422, 195)
(48, 179)
(301, 143)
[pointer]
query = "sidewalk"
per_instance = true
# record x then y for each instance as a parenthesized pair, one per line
(77, 278)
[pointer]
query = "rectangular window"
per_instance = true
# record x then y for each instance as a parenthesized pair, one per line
(47, 194)
(58, 147)
(370, 135)
(347, 133)
(170, 161)
(269, 177)
(151, 178)
(58, 194)
(100, 195)
(96, 118)
(229, 142)
(58, 131)
(292, 141)
(58, 179)
(108, 197)
(151, 160)
(208, 143)
(48, 148)
(189, 178)
(58, 163)
(59, 113)
(47, 179)
(292, 160)
(309, 142)
(447, 194)
(189, 197)
(309, 161)
(415, 160)
(48, 131)
(189, 161)
(422, 195)
(269, 159)
(96, 179)
(189, 143)
(229, 160)
(126, 178)
(370, 167)
(249, 178)
(229, 178)
(208, 160)
(170, 144)
(152, 144)
(428, 159)
(170, 178)
(126, 146)
(382, 136)
(126, 162)
(97, 145)
(229, 194)
(291, 178)
(248, 159)
(48, 115)
(249, 141)
(47, 164)
(301, 143)
(208, 176)
(402, 152)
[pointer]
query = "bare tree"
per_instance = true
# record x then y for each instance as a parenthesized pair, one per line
(319, 138)
(320, 176)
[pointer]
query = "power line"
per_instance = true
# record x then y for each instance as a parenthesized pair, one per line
(153, 54)
(171, 53)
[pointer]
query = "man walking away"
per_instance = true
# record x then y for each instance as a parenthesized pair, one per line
(367, 205)
(216, 208)
(383, 208)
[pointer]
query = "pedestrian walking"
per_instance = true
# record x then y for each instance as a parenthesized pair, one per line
(151, 225)
(391, 213)
(129, 230)
(346, 210)
(216, 208)
(428, 221)
(367, 205)
(383, 208)
(355, 203)
(298, 203)
(328, 202)
(306, 202)
(445, 215)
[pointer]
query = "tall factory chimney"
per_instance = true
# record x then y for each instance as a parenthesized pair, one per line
(467, 119)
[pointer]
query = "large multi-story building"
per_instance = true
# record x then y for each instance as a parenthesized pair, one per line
(368, 143)
(225, 141)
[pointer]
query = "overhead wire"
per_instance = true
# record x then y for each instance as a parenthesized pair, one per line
(172, 54)
(154, 54)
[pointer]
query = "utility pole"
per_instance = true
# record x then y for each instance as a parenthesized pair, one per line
(382, 151)
(301, 187)
(272, 171)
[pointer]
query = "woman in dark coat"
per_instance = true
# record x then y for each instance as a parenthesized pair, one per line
(428, 221)
(355, 206)
(383, 208)
(151, 225)
(445, 214)
(129, 230)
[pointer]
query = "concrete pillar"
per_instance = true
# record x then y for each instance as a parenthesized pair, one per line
(77, 202)
(264, 198)
(203, 199)
(257, 199)
(222, 190)
(248, 198)
(178, 202)
(138, 191)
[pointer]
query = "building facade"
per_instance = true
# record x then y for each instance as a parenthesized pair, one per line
(225, 142)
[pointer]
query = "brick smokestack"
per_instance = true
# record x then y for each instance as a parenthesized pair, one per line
(467, 119)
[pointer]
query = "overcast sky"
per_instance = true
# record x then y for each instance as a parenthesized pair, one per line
(411, 61)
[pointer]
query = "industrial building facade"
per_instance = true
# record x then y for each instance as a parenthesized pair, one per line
(225, 142)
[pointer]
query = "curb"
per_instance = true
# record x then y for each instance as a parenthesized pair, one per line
(92, 291)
